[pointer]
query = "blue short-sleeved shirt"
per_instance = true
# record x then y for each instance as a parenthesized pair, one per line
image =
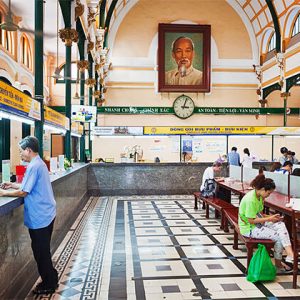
(39, 204)
(233, 158)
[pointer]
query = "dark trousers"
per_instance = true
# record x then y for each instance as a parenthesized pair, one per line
(40, 244)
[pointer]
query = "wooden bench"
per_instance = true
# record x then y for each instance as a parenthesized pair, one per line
(231, 216)
(219, 205)
(197, 196)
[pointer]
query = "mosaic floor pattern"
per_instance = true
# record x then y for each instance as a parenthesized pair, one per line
(152, 248)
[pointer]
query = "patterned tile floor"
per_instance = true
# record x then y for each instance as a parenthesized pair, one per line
(152, 248)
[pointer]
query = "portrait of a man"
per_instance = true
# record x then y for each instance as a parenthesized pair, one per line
(184, 58)
(183, 52)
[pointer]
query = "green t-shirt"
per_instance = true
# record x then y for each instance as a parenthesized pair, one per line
(250, 206)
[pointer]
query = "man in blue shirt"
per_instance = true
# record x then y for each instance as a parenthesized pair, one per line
(233, 157)
(39, 211)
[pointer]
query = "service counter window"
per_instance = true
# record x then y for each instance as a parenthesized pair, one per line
(137, 148)
(260, 146)
(204, 148)
(292, 143)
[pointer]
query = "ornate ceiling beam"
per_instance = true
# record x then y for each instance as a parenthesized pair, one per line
(276, 24)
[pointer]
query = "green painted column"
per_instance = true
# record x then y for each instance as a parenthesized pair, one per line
(285, 107)
(91, 72)
(4, 140)
(38, 69)
(67, 18)
(82, 85)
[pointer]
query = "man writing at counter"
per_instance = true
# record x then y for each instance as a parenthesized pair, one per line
(39, 211)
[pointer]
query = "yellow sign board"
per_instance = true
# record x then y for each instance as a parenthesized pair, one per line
(14, 101)
(53, 117)
(221, 130)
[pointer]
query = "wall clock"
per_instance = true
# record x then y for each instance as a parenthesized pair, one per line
(183, 106)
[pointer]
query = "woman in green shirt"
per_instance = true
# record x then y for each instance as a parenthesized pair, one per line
(253, 223)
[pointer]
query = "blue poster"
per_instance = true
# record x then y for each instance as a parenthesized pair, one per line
(187, 146)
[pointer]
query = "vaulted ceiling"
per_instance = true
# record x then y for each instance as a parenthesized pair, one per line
(255, 14)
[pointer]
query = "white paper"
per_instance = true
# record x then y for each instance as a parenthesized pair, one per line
(61, 159)
(53, 164)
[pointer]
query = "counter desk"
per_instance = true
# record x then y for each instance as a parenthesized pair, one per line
(17, 265)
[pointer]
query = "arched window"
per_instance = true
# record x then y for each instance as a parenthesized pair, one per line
(6, 38)
(74, 73)
(26, 57)
(296, 27)
(272, 43)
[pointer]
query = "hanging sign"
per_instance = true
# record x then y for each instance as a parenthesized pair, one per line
(221, 130)
(55, 118)
(14, 101)
(131, 110)
(117, 130)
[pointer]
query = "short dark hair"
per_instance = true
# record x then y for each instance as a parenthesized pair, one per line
(287, 163)
(234, 149)
(30, 142)
(283, 150)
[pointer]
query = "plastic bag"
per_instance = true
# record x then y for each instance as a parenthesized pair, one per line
(261, 267)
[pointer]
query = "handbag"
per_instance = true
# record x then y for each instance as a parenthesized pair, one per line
(209, 189)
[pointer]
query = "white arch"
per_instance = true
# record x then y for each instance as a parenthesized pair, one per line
(289, 20)
(5, 74)
(266, 35)
(25, 87)
(114, 29)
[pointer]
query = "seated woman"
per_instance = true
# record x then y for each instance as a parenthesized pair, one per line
(253, 223)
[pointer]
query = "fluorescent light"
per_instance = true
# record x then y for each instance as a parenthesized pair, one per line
(292, 136)
(54, 129)
(9, 116)
(247, 136)
(75, 134)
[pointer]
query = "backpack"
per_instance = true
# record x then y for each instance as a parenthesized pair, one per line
(209, 188)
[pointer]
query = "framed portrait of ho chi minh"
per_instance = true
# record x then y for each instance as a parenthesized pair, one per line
(184, 58)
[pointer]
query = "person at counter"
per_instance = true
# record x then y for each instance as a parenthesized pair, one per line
(208, 186)
(39, 211)
(286, 168)
(254, 224)
(187, 156)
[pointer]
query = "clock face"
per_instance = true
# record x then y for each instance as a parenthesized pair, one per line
(183, 107)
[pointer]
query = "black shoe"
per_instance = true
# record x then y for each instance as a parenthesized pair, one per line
(42, 289)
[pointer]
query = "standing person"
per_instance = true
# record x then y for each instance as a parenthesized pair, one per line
(253, 223)
(247, 159)
(283, 158)
(187, 156)
(183, 53)
(208, 186)
(233, 157)
(39, 211)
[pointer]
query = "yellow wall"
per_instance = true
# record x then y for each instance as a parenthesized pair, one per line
(141, 24)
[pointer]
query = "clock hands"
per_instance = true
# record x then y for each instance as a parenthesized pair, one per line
(185, 104)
